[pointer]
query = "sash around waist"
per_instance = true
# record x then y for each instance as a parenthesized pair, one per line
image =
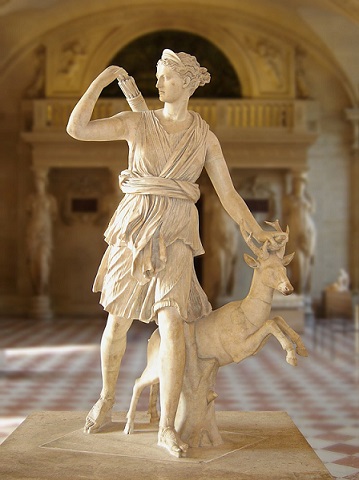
(167, 187)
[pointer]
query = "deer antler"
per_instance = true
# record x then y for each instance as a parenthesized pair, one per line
(280, 246)
(261, 252)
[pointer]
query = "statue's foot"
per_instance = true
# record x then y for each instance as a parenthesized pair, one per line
(99, 415)
(169, 439)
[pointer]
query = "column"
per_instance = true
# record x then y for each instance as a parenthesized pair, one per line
(353, 115)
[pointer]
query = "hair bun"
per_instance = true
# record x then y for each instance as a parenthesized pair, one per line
(205, 76)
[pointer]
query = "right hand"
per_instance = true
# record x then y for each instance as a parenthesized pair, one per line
(110, 74)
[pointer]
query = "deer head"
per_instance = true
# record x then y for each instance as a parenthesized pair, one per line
(270, 262)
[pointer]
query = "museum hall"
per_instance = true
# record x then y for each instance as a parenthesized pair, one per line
(283, 101)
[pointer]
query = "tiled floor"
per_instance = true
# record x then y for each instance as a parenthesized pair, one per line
(55, 366)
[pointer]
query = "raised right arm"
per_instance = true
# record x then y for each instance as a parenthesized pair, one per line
(118, 127)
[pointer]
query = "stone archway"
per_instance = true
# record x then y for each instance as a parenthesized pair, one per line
(120, 38)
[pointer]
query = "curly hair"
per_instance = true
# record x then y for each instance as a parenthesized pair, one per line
(186, 66)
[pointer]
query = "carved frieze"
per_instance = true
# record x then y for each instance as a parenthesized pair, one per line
(66, 62)
(36, 87)
(73, 54)
(272, 64)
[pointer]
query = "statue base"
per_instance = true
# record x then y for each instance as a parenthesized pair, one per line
(257, 445)
(40, 307)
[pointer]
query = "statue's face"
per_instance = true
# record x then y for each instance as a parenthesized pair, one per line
(171, 86)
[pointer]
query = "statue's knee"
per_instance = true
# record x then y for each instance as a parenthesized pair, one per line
(117, 326)
(170, 317)
(171, 324)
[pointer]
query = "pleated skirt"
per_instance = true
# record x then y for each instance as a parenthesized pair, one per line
(176, 285)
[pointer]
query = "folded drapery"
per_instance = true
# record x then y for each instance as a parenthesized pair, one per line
(167, 187)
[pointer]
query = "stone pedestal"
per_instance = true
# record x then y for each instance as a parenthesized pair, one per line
(257, 445)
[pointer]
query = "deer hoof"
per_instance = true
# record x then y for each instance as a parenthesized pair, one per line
(154, 418)
(302, 351)
(292, 359)
(129, 428)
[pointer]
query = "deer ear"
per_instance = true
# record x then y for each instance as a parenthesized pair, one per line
(288, 258)
(250, 261)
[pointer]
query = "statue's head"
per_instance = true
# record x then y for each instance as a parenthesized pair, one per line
(186, 66)
(41, 179)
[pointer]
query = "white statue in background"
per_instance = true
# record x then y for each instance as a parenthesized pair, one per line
(342, 283)
(223, 254)
(147, 271)
(42, 210)
(298, 209)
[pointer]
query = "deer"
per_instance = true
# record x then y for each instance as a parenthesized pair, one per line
(230, 333)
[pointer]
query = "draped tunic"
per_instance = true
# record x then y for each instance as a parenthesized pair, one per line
(154, 233)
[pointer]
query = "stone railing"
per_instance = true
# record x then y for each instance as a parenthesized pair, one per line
(284, 115)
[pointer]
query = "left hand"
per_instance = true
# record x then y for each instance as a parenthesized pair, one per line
(275, 239)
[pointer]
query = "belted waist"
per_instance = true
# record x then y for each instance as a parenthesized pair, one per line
(167, 187)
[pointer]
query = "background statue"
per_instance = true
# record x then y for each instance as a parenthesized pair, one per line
(298, 209)
(301, 81)
(42, 211)
(341, 284)
(36, 89)
(222, 254)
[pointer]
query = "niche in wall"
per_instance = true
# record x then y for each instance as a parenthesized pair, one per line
(86, 199)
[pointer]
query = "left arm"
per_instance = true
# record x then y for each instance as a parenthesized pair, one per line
(232, 202)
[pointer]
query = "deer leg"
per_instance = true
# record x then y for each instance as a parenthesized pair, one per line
(152, 407)
(147, 378)
(286, 344)
(293, 335)
(270, 327)
(137, 390)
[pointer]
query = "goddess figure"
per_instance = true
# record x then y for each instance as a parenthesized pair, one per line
(147, 271)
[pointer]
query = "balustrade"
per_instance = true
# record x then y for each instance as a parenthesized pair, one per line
(283, 115)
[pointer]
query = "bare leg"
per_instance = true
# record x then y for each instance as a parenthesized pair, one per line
(171, 371)
(113, 346)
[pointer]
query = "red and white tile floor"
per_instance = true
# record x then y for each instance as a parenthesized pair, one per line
(55, 365)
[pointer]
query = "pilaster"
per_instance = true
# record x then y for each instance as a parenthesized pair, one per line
(353, 115)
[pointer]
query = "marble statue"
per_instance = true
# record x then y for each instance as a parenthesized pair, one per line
(147, 270)
(42, 211)
(229, 334)
(298, 209)
(341, 284)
